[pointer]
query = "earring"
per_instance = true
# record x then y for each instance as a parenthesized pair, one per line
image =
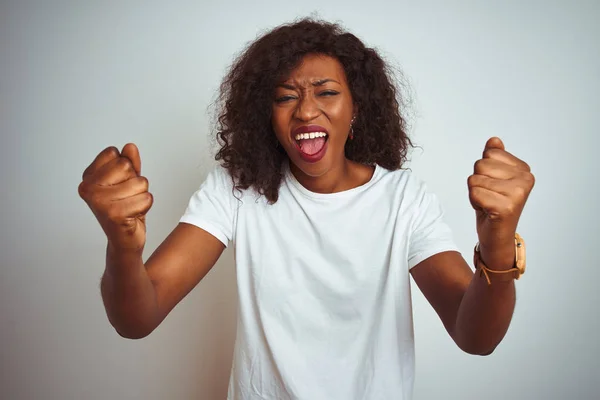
(352, 128)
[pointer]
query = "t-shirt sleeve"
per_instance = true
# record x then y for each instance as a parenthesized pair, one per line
(211, 207)
(430, 234)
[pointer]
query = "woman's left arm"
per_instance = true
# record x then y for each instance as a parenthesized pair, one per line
(477, 314)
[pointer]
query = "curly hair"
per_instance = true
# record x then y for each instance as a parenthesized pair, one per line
(249, 149)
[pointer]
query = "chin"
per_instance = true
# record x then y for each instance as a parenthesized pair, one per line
(314, 169)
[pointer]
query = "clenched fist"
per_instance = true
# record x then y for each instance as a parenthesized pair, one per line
(498, 191)
(118, 196)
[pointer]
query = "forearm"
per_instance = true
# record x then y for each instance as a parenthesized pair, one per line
(128, 294)
(486, 310)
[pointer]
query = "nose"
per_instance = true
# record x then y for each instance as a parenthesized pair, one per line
(307, 108)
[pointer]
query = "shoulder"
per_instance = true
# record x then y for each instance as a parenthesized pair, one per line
(218, 179)
(220, 175)
(410, 193)
(402, 180)
(221, 181)
(217, 185)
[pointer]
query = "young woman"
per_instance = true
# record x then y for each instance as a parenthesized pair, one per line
(325, 224)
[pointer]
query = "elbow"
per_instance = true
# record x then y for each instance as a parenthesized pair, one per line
(486, 352)
(131, 329)
(137, 327)
(479, 352)
(477, 349)
(133, 334)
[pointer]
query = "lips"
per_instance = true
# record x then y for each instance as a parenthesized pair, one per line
(308, 129)
(310, 142)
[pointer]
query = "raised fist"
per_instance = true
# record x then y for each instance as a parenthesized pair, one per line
(118, 196)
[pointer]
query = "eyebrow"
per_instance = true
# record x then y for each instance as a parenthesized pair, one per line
(320, 82)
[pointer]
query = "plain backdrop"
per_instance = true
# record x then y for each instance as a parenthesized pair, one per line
(78, 76)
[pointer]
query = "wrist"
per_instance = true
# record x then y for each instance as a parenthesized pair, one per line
(114, 250)
(498, 256)
(500, 271)
(120, 259)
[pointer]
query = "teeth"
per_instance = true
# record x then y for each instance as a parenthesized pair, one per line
(311, 135)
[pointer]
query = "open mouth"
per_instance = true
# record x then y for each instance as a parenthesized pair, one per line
(311, 143)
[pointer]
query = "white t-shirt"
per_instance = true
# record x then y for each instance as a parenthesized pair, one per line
(323, 281)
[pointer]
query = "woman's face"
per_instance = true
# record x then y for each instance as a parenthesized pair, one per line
(312, 112)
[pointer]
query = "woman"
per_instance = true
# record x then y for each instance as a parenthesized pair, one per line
(326, 227)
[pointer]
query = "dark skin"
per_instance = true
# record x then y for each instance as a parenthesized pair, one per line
(475, 314)
(317, 93)
(138, 295)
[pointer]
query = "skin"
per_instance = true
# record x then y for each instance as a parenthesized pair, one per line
(138, 295)
(317, 93)
(475, 314)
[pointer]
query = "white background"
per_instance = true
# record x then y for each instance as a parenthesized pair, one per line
(76, 77)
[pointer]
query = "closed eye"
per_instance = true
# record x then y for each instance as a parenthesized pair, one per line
(283, 99)
(328, 93)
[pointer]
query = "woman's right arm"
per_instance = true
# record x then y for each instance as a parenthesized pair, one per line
(137, 296)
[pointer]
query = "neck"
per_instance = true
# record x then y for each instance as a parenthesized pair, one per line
(330, 182)
(343, 176)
